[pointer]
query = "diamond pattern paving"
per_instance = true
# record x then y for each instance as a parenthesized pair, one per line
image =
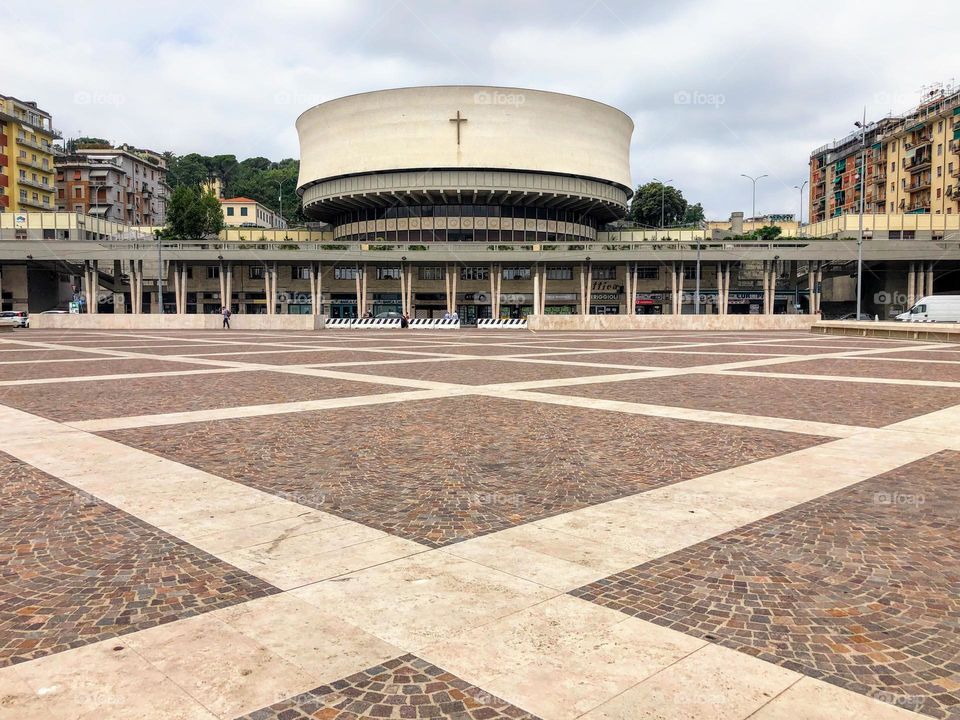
(441, 471)
(860, 588)
(181, 393)
(405, 687)
(816, 400)
(75, 570)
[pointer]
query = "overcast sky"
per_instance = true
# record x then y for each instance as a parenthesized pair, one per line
(716, 88)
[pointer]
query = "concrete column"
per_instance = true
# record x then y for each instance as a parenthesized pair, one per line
(680, 280)
(633, 296)
(363, 287)
(929, 290)
(95, 285)
(224, 300)
(911, 284)
(408, 298)
(819, 285)
(266, 289)
(273, 290)
(313, 288)
(589, 293)
(319, 288)
(499, 292)
(766, 287)
(177, 288)
(229, 288)
(673, 288)
(536, 290)
(543, 289)
(583, 290)
(139, 286)
(454, 279)
(727, 285)
(493, 290)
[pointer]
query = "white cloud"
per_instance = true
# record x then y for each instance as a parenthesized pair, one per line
(715, 88)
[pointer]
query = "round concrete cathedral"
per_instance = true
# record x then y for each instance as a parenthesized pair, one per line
(464, 164)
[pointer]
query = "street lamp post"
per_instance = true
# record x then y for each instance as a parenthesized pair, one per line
(663, 190)
(800, 188)
(96, 197)
(753, 212)
(861, 176)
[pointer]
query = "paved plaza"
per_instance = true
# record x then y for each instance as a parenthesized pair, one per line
(478, 524)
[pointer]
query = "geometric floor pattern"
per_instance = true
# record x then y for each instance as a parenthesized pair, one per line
(478, 524)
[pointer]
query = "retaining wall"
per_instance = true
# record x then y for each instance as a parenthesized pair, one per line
(177, 322)
(930, 332)
(671, 322)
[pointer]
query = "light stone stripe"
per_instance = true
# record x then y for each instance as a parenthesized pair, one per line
(837, 378)
(803, 427)
(247, 411)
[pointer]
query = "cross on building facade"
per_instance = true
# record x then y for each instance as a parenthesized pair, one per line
(458, 120)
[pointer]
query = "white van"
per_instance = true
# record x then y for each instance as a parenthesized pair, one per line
(934, 308)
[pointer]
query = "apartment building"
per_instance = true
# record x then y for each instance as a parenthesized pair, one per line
(244, 212)
(905, 164)
(144, 192)
(91, 185)
(26, 157)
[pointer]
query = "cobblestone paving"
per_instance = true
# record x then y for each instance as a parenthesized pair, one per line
(441, 471)
(31, 354)
(308, 358)
(67, 369)
(483, 372)
(405, 687)
(658, 359)
(183, 393)
(860, 588)
(870, 368)
(817, 400)
(75, 570)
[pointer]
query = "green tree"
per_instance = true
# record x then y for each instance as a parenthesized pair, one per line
(192, 215)
(693, 215)
(651, 198)
(768, 232)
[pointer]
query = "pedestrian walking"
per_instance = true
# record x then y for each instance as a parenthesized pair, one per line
(226, 317)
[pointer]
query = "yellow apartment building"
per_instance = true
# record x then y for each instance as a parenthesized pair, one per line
(27, 179)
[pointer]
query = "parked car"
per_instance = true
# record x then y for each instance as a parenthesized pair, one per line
(933, 308)
(853, 316)
(389, 314)
(55, 312)
(18, 318)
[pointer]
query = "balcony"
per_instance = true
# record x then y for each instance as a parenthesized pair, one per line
(36, 145)
(36, 203)
(4, 160)
(35, 165)
(918, 186)
(918, 164)
(880, 179)
(30, 182)
(4, 181)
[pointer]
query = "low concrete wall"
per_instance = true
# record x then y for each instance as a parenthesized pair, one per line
(177, 322)
(929, 332)
(671, 322)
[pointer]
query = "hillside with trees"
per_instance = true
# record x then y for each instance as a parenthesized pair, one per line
(257, 178)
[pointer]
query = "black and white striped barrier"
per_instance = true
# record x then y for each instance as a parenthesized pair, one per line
(363, 323)
(495, 324)
(434, 324)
